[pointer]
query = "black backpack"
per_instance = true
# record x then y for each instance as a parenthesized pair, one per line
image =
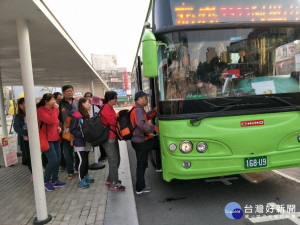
(94, 132)
(123, 125)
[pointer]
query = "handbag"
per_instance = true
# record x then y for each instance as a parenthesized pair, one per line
(43, 140)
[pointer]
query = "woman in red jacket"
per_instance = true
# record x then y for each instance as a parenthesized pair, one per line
(111, 146)
(47, 114)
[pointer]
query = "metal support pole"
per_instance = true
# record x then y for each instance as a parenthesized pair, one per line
(96, 149)
(92, 87)
(2, 110)
(34, 141)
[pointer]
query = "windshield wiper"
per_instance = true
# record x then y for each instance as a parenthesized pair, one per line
(225, 104)
(280, 99)
(192, 121)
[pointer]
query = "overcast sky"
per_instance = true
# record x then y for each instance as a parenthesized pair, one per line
(106, 27)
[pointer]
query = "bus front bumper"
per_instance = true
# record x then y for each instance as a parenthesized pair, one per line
(203, 167)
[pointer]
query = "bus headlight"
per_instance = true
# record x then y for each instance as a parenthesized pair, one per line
(172, 147)
(186, 147)
(201, 147)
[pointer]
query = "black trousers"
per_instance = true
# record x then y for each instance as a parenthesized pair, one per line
(102, 151)
(142, 151)
(83, 166)
(26, 156)
(44, 160)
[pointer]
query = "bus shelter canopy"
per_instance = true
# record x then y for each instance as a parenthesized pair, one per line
(56, 60)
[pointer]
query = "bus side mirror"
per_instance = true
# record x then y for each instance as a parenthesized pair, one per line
(149, 54)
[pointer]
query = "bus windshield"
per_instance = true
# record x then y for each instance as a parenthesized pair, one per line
(229, 63)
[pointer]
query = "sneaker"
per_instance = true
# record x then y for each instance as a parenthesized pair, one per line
(70, 176)
(158, 170)
(117, 187)
(88, 179)
(83, 184)
(61, 168)
(49, 186)
(75, 171)
(108, 182)
(145, 190)
(58, 183)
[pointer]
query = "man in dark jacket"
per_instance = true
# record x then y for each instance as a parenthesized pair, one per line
(67, 104)
(143, 141)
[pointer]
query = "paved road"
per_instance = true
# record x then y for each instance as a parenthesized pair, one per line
(203, 202)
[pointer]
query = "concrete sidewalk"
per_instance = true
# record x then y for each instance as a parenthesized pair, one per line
(70, 204)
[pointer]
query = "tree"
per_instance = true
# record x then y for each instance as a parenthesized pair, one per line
(45, 90)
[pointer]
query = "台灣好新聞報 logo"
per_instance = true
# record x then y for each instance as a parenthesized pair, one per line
(233, 211)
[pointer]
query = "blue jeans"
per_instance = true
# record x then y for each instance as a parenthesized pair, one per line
(69, 157)
(52, 167)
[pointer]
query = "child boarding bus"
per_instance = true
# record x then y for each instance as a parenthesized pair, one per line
(224, 76)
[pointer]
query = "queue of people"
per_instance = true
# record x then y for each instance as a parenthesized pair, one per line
(52, 113)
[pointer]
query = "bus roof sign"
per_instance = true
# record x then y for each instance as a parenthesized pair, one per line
(192, 12)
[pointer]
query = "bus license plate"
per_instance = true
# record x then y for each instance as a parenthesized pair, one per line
(255, 162)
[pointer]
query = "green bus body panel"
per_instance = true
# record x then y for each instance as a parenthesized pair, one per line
(229, 144)
(149, 55)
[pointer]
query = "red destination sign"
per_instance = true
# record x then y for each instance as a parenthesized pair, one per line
(252, 123)
(126, 85)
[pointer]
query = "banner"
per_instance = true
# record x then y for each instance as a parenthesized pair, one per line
(126, 85)
(9, 148)
(121, 92)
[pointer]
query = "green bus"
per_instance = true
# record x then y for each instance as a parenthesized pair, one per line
(224, 76)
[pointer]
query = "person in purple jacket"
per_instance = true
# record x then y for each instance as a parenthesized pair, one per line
(143, 141)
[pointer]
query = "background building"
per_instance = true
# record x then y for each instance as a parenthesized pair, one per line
(118, 79)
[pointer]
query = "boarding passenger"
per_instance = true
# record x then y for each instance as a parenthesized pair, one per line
(20, 127)
(97, 103)
(81, 147)
(58, 97)
(47, 114)
(111, 145)
(88, 95)
(143, 141)
(67, 104)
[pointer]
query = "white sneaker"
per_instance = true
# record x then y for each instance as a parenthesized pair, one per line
(145, 190)
(158, 170)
